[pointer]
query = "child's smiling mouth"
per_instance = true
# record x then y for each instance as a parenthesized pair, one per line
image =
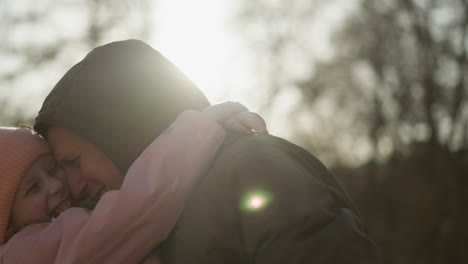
(61, 207)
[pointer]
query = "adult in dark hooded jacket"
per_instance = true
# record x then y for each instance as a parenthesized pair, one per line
(263, 201)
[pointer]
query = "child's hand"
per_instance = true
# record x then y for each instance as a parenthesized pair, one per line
(236, 117)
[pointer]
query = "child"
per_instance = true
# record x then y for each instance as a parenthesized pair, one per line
(126, 224)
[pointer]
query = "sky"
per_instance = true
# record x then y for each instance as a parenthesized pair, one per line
(199, 38)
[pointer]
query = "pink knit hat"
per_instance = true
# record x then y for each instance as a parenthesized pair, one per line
(19, 148)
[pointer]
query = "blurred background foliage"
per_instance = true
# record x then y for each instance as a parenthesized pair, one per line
(43, 39)
(377, 89)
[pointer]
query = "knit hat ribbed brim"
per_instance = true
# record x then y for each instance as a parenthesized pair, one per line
(19, 148)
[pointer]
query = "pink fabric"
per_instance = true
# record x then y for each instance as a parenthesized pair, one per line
(127, 224)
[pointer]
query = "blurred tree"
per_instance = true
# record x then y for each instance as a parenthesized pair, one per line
(403, 67)
(391, 99)
(398, 72)
(42, 38)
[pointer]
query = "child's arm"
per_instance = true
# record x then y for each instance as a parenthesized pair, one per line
(127, 224)
(134, 220)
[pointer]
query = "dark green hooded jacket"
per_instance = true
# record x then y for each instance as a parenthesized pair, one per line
(264, 200)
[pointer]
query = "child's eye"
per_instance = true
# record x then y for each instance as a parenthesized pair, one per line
(31, 190)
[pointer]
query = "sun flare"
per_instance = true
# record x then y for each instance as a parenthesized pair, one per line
(194, 36)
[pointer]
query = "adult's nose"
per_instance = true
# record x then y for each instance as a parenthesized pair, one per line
(76, 183)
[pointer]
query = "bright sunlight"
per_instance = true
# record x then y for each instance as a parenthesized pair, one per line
(195, 36)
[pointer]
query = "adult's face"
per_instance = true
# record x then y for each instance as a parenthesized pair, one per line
(90, 172)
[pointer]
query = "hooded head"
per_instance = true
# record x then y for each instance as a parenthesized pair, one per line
(119, 97)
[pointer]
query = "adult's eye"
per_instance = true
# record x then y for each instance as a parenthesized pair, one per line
(75, 162)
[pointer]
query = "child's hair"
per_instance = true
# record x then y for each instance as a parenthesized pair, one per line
(19, 148)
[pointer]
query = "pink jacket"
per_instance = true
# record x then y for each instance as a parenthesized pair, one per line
(129, 223)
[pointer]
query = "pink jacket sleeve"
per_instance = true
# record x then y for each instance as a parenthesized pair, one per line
(129, 223)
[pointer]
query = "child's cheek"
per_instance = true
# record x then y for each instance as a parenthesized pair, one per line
(35, 211)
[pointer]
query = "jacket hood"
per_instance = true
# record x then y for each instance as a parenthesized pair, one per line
(120, 97)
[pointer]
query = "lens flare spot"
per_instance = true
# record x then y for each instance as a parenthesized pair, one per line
(255, 201)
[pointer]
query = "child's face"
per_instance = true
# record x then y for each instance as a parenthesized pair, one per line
(42, 193)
